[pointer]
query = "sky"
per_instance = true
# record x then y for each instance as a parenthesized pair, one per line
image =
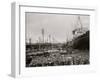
(58, 26)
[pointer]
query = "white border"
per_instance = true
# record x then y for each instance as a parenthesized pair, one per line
(21, 70)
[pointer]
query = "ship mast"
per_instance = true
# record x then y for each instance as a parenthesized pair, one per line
(66, 37)
(79, 22)
(30, 41)
(42, 31)
(78, 28)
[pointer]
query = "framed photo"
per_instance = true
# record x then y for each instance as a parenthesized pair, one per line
(52, 40)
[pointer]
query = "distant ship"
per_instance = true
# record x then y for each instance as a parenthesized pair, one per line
(80, 36)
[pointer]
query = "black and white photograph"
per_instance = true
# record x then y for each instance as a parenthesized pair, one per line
(55, 39)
